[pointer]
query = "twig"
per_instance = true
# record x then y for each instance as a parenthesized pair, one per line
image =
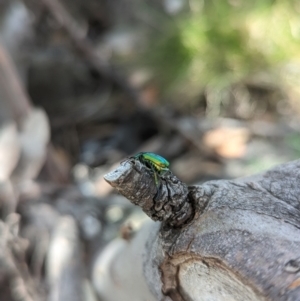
(14, 269)
(85, 47)
(15, 95)
(17, 102)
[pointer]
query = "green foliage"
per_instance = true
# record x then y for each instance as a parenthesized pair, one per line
(293, 141)
(218, 42)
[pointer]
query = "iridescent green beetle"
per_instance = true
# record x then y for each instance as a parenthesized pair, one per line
(156, 163)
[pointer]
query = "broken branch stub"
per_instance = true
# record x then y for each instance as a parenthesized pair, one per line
(166, 201)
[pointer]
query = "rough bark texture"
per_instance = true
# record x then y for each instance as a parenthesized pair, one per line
(167, 201)
(242, 244)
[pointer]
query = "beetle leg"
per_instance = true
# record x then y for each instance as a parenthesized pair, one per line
(158, 194)
(155, 178)
(155, 174)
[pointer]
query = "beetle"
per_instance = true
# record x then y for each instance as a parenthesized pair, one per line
(156, 163)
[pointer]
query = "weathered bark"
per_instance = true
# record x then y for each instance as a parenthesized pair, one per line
(243, 242)
(167, 201)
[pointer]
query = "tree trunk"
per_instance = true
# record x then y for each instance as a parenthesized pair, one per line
(242, 243)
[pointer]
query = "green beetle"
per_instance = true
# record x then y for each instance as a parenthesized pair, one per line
(156, 163)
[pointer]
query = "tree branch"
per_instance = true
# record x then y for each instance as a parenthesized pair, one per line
(242, 243)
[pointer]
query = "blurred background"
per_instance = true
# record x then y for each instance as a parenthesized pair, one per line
(212, 86)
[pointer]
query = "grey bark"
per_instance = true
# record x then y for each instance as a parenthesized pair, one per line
(242, 241)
